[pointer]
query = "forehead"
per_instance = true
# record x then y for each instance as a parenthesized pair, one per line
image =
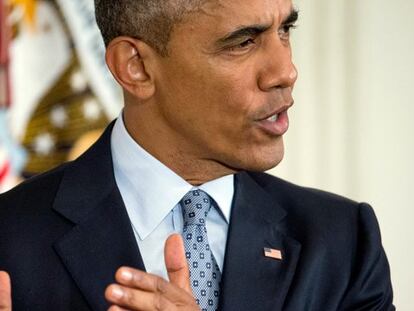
(243, 7)
(217, 17)
(234, 11)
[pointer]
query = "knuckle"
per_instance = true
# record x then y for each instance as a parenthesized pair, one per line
(157, 301)
(164, 305)
(127, 298)
(160, 302)
(161, 285)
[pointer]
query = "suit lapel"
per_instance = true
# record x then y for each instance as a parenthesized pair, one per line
(102, 238)
(250, 280)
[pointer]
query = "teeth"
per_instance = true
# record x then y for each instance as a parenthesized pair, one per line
(273, 118)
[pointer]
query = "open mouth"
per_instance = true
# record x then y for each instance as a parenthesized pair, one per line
(277, 123)
(273, 118)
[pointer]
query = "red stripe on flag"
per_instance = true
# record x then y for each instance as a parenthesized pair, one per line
(4, 171)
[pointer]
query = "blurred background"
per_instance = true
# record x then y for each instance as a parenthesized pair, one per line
(351, 127)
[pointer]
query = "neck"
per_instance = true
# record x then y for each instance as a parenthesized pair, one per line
(170, 149)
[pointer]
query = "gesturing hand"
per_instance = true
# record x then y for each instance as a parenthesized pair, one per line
(142, 291)
(5, 292)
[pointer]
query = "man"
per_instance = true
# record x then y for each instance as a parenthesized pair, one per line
(207, 87)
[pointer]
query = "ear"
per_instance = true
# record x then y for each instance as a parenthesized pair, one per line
(128, 60)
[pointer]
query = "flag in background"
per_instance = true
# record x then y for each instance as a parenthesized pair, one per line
(12, 156)
(60, 87)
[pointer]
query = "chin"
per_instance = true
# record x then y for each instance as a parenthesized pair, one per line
(265, 165)
(259, 160)
(267, 157)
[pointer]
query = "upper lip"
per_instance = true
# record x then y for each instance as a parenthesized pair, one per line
(279, 110)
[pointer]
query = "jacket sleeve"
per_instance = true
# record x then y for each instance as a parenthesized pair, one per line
(370, 286)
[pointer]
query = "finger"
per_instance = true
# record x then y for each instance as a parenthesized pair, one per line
(117, 308)
(5, 292)
(142, 281)
(176, 262)
(133, 299)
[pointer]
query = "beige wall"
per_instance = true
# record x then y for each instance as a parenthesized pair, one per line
(352, 127)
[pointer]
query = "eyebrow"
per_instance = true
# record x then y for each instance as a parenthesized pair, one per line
(243, 32)
(255, 30)
(292, 18)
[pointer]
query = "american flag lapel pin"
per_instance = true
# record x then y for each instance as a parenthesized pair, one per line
(273, 253)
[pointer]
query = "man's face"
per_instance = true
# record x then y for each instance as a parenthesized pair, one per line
(226, 86)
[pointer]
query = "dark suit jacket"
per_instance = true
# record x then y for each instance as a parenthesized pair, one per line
(64, 234)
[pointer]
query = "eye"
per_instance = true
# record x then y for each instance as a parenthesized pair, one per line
(285, 30)
(242, 47)
(246, 43)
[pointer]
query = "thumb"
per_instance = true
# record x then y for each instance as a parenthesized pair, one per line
(5, 292)
(176, 263)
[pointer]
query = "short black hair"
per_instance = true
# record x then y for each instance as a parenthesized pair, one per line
(151, 21)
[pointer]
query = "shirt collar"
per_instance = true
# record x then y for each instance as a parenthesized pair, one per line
(221, 190)
(150, 189)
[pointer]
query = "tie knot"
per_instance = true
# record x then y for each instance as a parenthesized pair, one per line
(196, 205)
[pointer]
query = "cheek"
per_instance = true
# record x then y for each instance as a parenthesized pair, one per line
(232, 105)
(215, 102)
(232, 96)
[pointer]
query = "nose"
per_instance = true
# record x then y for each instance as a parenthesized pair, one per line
(278, 70)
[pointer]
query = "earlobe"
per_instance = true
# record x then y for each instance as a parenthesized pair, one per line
(125, 59)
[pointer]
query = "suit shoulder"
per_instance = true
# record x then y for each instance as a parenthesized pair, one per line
(316, 214)
(35, 190)
(305, 199)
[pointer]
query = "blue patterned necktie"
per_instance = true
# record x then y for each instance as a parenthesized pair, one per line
(205, 274)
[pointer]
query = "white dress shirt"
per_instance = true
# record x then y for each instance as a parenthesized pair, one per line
(152, 192)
